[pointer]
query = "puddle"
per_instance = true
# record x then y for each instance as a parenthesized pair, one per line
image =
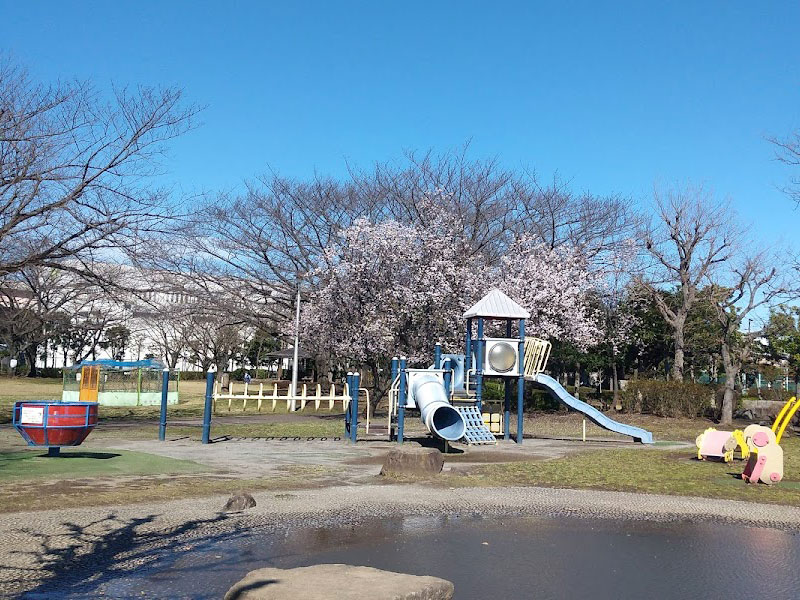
(489, 558)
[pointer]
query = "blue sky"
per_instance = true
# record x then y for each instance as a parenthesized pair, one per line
(613, 96)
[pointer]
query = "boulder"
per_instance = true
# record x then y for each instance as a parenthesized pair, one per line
(412, 460)
(342, 582)
(239, 502)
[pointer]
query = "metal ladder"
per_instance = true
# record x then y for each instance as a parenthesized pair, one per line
(477, 432)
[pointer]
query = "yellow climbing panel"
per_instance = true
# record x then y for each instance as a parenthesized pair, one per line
(785, 417)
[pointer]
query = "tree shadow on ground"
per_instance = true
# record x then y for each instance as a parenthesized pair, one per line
(80, 558)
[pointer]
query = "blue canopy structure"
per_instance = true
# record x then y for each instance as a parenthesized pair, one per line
(147, 363)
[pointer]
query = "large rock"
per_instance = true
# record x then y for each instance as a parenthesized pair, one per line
(239, 502)
(339, 582)
(413, 460)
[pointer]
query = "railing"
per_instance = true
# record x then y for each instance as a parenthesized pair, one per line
(537, 352)
(318, 399)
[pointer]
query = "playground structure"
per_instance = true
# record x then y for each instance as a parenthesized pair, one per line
(54, 424)
(119, 383)
(721, 445)
(449, 394)
(293, 402)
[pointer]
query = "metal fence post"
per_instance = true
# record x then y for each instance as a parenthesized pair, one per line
(162, 427)
(207, 409)
(354, 407)
(521, 380)
(401, 402)
(348, 413)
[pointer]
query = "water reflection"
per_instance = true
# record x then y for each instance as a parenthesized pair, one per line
(514, 558)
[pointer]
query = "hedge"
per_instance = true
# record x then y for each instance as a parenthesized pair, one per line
(667, 398)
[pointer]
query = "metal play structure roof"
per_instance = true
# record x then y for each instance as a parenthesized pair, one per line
(496, 305)
(148, 363)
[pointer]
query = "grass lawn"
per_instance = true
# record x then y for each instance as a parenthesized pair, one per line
(191, 405)
(568, 425)
(32, 481)
(316, 428)
(641, 470)
(31, 495)
(76, 463)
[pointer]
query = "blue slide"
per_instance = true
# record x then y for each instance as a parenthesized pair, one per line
(594, 415)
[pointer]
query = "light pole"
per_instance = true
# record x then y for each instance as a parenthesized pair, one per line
(296, 349)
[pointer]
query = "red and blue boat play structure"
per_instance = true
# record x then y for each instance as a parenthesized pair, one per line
(54, 424)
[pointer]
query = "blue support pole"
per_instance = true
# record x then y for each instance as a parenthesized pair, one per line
(162, 426)
(437, 356)
(507, 395)
(448, 377)
(348, 413)
(401, 403)
(395, 368)
(521, 380)
(207, 408)
(468, 348)
(354, 407)
(479, 366)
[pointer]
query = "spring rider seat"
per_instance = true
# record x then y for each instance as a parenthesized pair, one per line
(766, 458)
(721, 445)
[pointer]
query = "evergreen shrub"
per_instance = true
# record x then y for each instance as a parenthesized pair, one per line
(668, 398)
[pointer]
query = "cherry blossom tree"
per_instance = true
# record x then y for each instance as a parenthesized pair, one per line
(552, 284)
(390, 288)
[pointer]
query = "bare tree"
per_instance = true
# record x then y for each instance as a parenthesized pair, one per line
(752, 281)
(214, 341)
(787, 151)
(169, 332)
(261, 245)
(41, 304)
(74, 170)
(691, 235)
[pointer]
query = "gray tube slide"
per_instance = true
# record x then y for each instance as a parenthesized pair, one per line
(435, 411)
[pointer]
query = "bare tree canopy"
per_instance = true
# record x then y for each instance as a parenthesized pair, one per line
(751, 280)
(269, 238)
(74, 169)
(787, 151)
(690, 236)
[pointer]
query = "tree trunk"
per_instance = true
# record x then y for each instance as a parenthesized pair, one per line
(731, 372)
(578, 380)
(677, 366)
(615, 384)
(30, 356)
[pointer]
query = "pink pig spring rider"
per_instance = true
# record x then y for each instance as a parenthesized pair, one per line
(766, 456)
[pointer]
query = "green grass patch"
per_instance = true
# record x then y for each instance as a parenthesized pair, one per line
(42, 494)
(317, 428)
(642, 470)
(76, 463)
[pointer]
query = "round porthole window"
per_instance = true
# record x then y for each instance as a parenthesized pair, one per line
(502, 357)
